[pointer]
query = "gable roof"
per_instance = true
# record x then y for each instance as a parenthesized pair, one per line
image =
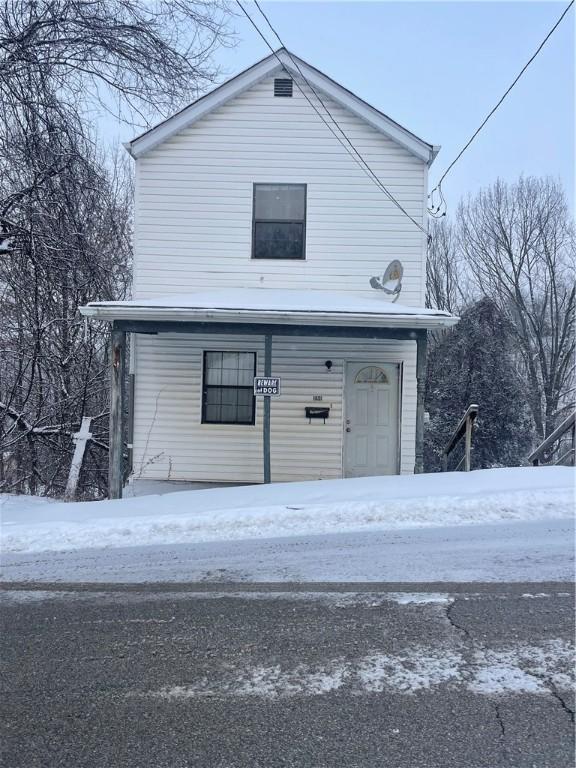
(281, 60)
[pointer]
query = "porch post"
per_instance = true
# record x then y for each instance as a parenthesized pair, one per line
(421, 346)
(266, 441)
(115, 452)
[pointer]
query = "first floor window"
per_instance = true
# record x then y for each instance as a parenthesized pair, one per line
(228, 390)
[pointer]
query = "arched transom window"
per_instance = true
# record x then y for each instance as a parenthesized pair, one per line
(371, 375)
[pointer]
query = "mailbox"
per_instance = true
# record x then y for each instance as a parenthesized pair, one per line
(317, 413)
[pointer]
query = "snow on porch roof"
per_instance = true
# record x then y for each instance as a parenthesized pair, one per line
(264, 305)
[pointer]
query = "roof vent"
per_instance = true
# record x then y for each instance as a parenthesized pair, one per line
(283, 86)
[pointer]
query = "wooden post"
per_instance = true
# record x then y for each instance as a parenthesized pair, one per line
(467, 444)
(116, 438)
(80, 439)
(421, 347)
(130, 445)
(266, 426)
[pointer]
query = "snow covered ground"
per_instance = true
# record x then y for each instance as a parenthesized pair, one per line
(535, 551)
(490, 525)
(291, 509)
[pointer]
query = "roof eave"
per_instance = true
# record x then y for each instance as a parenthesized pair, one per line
(111, 313)
(435, 149)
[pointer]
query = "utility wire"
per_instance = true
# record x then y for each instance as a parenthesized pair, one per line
(438, 187)
(371, 173)
(356, 156)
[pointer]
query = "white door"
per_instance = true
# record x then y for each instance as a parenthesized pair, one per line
(371, 420)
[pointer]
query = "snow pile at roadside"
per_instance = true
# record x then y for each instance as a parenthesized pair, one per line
(285, 509)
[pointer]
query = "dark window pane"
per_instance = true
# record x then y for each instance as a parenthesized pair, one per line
(245, 369)
(246, 378)
(213, 376)
(246, 361)
(245, 414)
(229, 413)
(229, 377)
(213, 359)
(213, 368)
(213, 413)
(245, 397)
(279, 202)
(278, 240)
(230, 359)
(229, 396)
(213, 396)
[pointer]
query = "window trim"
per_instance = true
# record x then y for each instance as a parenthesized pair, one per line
(282, 221)
(205, 386)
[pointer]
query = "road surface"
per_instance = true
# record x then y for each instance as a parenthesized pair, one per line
(278, 675)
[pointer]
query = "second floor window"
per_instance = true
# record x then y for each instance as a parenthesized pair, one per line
(279, 227)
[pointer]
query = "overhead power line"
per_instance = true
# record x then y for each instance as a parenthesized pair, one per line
(344, 139)
(435, 211)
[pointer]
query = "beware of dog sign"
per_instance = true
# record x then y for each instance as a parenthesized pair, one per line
(269, 386)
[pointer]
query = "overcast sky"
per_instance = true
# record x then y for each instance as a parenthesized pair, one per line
(438, 68)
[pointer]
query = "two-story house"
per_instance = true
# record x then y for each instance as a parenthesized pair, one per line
(261, 247)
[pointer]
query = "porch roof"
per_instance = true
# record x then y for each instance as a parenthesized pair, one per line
(266, 306)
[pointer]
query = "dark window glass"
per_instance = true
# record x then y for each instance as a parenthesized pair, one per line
(278, 240)
(279, 230)
(279, 202)
(228, 394)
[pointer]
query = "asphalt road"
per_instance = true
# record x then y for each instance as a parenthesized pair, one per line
(314, 676)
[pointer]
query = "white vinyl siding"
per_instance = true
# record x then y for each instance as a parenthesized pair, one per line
(170, 442)
(193, 220)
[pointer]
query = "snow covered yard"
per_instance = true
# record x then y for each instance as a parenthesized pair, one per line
(291, 509)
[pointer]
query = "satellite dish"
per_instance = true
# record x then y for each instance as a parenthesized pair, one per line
(391, 280)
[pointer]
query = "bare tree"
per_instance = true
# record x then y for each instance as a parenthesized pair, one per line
(446, 275)
(65, 209)
(73, 246)
(518, 240)
(153, 54)
(127, 56)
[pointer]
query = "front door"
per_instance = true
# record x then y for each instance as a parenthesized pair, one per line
(371, 420)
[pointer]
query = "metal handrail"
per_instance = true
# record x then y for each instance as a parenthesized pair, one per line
(464, 429)
(569, 423)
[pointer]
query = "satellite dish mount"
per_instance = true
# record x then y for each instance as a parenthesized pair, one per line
(391, 280)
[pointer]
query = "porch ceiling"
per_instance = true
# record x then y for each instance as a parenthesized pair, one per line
(270, 306)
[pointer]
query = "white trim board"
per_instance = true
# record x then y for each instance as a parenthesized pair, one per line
(281, 60)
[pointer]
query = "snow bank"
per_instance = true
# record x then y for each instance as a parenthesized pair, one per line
(285, 509)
